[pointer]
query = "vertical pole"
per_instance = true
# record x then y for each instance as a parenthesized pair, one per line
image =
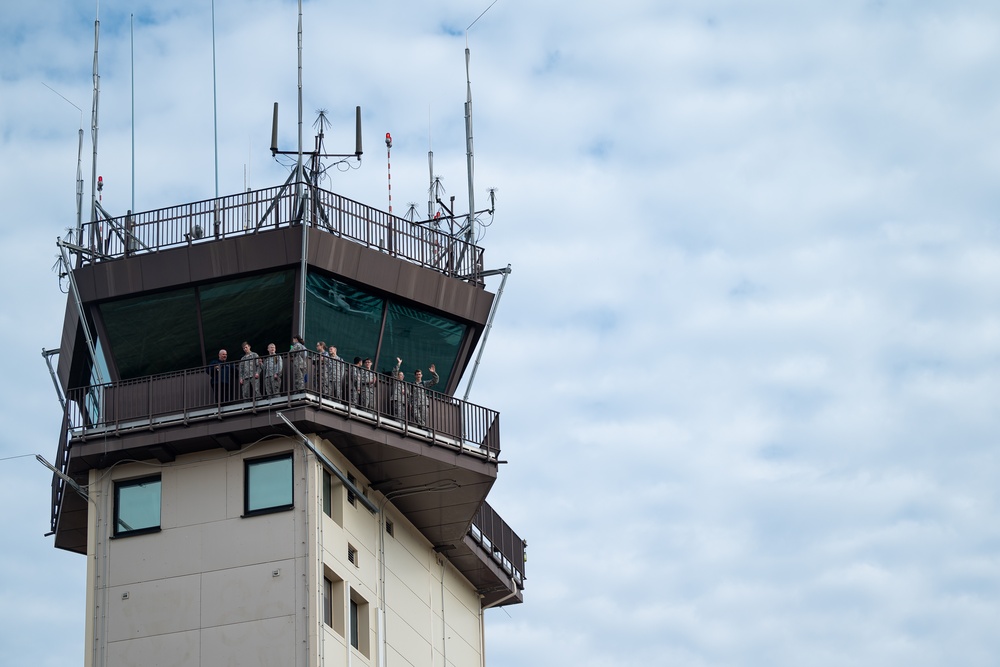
(471, 232)
(93, 124)
(215, 109)
(299, 204)
(131, 34)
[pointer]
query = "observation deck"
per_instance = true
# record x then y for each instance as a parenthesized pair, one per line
(162, 291)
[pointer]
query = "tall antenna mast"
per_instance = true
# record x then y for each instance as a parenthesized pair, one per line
(470, 233)
(388, 166)
(304, 267)
(430, 169)
(131, 35)
(215, 108)
(93, 127)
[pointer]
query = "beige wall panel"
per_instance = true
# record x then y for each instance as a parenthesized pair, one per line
(248, 593)
(193, 494)
(334, 647)
(157, 607)
(413, 606)
(460, 653)
(410, 572)
(415, 643)
(169, 553)
(268, 642)
(180, 649)
(256, 539)
(460, 619)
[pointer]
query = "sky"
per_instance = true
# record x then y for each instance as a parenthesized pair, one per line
(747, 360)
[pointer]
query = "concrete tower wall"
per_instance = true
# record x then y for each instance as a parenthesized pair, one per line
(216, 586)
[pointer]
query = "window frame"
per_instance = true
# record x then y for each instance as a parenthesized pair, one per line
(125, 484)
(248, 464)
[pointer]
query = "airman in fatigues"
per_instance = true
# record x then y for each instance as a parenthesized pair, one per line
(418, 394)
(273, 365)
(297, 359)
(249, 373)
(397, 401)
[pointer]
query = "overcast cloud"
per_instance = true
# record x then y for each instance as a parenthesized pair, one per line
(747, 361)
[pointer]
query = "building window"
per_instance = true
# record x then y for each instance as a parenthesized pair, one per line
(359, 627)
(388, 527)
(352, 555)
(354, 624)
(350, 494)
(328, 602)
(268, 484)
(327, 493)
(137, 506)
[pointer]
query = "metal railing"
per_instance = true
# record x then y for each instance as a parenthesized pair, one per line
(111, 238)
(219, 390)
(499, 540)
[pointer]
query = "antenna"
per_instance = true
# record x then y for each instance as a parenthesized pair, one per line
(131, 37)
(388, 164)
(471, 231)
(215, 109)
(93, 127)
(357, 133)
(274, 131)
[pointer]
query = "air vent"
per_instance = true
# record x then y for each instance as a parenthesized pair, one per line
(350, 494)
(352, 555)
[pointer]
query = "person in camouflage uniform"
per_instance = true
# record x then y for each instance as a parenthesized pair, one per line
(355, 381)
(324, 368)
(297, 360)
(397, 402)
(418, 394)
(273, 365)
(368, 380)
(249, 373)
(338, 369)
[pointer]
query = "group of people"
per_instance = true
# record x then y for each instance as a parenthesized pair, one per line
(250, 370)
(336, 379)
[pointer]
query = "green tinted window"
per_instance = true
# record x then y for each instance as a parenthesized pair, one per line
(256, 309)
(154, 333)
(137, 505)
(420, 339)
(268, 484)
(342, 315)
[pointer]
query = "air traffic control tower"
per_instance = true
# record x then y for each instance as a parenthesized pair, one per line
(320, 514)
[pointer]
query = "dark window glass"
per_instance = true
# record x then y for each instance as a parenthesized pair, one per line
(137, 505)
(342, 315)
(256, 309)
(154, 333)
(354, 624)
(268, 484)
(327, 493)
(421, 339)
(328, 602)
